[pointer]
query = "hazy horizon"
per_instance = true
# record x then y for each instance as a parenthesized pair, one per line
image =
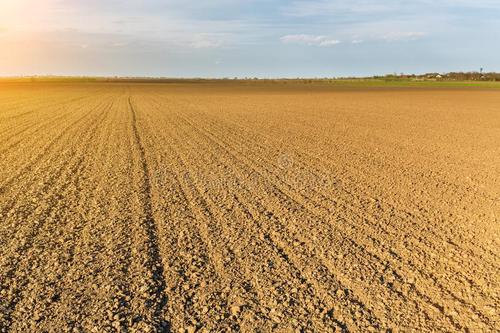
(247, 38)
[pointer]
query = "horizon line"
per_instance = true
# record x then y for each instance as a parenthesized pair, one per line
(236, 77)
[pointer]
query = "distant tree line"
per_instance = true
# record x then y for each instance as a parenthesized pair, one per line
(452, 76)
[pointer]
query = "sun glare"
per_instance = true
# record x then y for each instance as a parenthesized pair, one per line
(23, 15)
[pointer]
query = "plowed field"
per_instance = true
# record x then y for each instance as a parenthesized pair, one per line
(210, 207)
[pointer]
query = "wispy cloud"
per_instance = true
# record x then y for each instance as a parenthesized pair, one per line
(399, 36)
(324, 7)
(305, 8)
(204, 40)
(205, 44)
(119, 44)
(311, 40)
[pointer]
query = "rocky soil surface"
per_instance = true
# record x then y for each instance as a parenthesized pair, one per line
(248, 208)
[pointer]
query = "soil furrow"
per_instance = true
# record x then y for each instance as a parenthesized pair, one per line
(371, 255)
(68, 176)
(278, 250)
(248, 207)
(157, 286)
(319, 203)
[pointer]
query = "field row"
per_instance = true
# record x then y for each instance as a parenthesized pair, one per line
(200, 207)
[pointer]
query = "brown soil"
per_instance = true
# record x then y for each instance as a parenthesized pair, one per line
(263, 208)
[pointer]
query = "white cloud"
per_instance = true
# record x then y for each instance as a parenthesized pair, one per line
(329, 42)
(204, 40)
(312, 40)
(357, 41)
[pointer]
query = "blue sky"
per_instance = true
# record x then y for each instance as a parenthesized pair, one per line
(223, 38)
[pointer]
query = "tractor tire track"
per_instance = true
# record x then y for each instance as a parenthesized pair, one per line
(157, 286)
